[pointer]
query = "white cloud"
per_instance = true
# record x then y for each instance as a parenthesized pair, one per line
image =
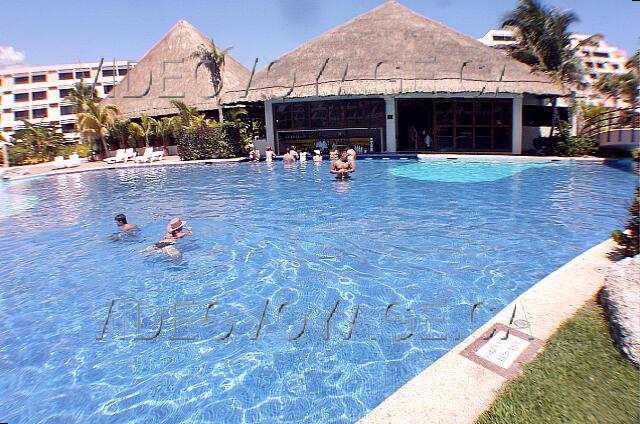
(10, 56)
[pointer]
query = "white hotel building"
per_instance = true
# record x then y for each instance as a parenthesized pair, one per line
(598, 59)
(37, 93)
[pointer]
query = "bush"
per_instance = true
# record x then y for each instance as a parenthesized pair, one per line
(203, 142)
(569, 146)
(628, 240)
(576, 146)
(214, 141)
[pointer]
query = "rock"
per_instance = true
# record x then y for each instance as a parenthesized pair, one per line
(620, 297)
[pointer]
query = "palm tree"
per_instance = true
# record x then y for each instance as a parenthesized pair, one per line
(5, 154)
(185, 113)
(43, 140)
(544, 43)
(166, 127)
(119, 130)
(144, 129)
(94, 123)
(80, 94)
(609, 86)
(214, 60)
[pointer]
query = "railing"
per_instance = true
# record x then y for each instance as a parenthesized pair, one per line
(617, 126)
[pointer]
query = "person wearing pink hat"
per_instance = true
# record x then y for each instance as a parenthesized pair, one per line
(175, 229)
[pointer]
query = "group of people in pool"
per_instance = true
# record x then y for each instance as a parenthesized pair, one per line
(343, 162)
(175, 230)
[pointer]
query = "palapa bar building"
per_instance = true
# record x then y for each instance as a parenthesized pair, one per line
(389, 80)
(392, 80)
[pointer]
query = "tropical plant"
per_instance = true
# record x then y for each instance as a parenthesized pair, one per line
(144, 129)
(4, 143)
(185, 113)
(544, 43)
(119, 132)
(40, 142)
(629, 240)
(80, 94)
(94, 123)
(609, 85)
(166, 128)
(214, 60)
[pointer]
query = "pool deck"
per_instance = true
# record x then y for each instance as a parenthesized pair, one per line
(47, 169)
(455, 389)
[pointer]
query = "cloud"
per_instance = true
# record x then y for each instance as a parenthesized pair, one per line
(10, 56)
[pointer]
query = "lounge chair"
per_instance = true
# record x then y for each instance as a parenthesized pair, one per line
(74, 160)
(129, 154)
(119, 157)
(157, 155)
(59, 162)
(146, 157)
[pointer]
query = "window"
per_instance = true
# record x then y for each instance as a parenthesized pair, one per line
(601, 54)
(504, 38)
(83, 74)
(594, 76)
(109, 72)
(67, 110)
(39, 95)
(21, 97)
(65, 75)
(20, 114)
(39, 78)
(64, 92)
(589, 64)
(21, 80)
(68, 127)
(122, 71)
(39, 113)
(600, 65)
(107, 88)
(615, 66)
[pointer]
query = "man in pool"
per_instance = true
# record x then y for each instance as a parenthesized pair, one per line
(342, 167)
(121, 222)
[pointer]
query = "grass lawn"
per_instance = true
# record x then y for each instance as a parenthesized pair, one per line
(580, 377)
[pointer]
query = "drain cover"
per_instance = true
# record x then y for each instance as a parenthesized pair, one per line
(521, 323)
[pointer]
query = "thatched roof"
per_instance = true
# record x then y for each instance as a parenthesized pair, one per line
(176, 46)
(389, 50)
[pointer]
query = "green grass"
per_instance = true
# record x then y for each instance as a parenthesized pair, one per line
(580, 377)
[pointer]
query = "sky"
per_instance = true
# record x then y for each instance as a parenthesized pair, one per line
(45, 32)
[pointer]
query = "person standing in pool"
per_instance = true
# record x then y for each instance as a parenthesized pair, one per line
(268, 154)
(351, 154)
(121, 221)
(342, 167)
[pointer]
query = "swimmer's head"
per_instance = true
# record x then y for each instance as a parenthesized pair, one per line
(120, 219)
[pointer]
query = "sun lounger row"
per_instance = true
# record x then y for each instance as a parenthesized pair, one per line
(59, 162)
(124, 155)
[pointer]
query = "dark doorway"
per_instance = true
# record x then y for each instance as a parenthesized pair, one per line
(415, 125)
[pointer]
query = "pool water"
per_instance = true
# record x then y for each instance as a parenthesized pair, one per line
(299, 298)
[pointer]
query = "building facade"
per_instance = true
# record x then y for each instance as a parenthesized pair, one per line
(393, 80)
(37, 93)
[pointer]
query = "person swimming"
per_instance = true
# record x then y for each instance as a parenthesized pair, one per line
(121, 221)
(342, 167)
(175, 230)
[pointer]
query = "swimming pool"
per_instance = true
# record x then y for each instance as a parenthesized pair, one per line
(306, 299)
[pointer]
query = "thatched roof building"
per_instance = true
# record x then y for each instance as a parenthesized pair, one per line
(168, 72)
(392, 50)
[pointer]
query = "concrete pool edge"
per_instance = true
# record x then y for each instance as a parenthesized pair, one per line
(455, 389)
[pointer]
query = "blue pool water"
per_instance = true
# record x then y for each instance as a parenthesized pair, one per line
(430, 239)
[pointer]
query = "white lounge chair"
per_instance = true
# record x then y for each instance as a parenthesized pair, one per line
(119, 157)
(157, 155)
(129, 154)
(59, 162)
(74, 160)
(146, 157)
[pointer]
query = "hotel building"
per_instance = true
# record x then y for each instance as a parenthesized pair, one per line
(37, 93)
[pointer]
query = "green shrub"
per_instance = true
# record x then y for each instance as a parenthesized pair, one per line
(629, 239)
(203, 142)
(213, 141)
(576, 146)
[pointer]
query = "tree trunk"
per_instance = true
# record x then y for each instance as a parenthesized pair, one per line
(105, 148)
